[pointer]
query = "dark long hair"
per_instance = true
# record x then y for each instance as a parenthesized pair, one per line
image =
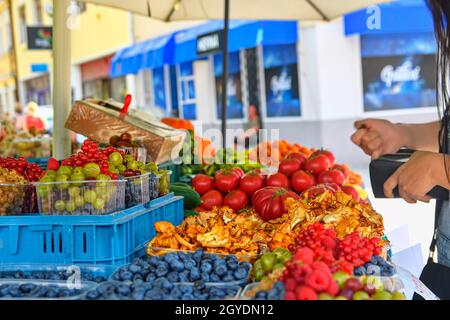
(440, 10)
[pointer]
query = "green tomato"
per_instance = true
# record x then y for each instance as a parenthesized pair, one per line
(115, 159)
(103, 178)
(382, 295)
(60, 205)
(51, 174)
(62, 179)
(113, 169)
(64, 170)
(79, 201)
(78, 170)
(268, 261)
(90, 196)
(77, 177)
(91, 170)
(70, 206)
(361, 295)
(74, 191)
(99, 204)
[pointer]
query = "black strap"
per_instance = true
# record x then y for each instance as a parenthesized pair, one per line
(437, 214)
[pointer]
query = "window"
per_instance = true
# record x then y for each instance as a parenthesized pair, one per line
(22, 24)
(159, 88)
(398, 71)
(147, 82)
(38, 12)
(281, 81)
(187, 91)
(235, 108)
(38, 90)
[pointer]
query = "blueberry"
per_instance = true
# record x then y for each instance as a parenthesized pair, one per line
(27, 288)
(216, 293)
(135, 268)
(220, 270)
(203, 296)
(229, 277)
(219, 262)
(172, 276)
(137, 277)
(205, 277)
(162, 269)
(153, 261)
(374, 260)
(176, 293)
(194, 274)
(150, 277)
(214, 278)
(183, 256)
(170, 257)
(106, 288)
(19, 275)
(153, 294)
(126, 276)
(261, 295)
(14, 292)
(358, 271)
(124, 290)
(187, 296)
(92, 295)
(197, 255)
(52, 293)
(177, 265)
(246, 265)
(232, 265)
(186, 288)
(205, 267)
(189, 264)
(231, 292)
(241, 273)
(184, 276)
(116, 276)
(138, 294)
(99, 279)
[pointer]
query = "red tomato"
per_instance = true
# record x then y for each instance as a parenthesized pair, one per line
(289, 166)
(203, 183)
(332, 176)
(351, 191)
(240, 173)
(317, 165)
(341, 168)
(211, 199)
(302, 180)
(252, 182)
(269, 202)
(226, 180)
(278, 180)
(236, 200)
(321, 188)
(326, 153)
(299, 156)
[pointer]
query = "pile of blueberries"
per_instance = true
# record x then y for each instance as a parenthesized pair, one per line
(16, 290)
(377, 266)
(49, 275)
(188, 276)
(276, 293)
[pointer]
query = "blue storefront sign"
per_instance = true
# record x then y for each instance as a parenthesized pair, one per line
(398, 71)
(281, 81)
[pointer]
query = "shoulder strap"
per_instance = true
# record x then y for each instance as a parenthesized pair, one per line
(439, 204)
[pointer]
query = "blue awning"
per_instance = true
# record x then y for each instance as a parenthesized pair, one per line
(244, 34)
(150, 54)
(402, 16)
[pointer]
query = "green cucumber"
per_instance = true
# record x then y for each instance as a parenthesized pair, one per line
(191, 197)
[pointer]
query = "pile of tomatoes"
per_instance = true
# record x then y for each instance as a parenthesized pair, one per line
(296, 175)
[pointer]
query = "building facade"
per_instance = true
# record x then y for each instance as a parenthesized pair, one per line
(8, 70)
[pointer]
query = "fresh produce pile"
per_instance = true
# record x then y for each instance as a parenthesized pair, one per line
(89, 182)
(278, 150)
(25, 289)
(125, 143)
(17, 194)
(49, 275)
(176, 276)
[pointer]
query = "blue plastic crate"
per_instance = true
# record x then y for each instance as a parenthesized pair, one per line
(109, 240)
(42, 162)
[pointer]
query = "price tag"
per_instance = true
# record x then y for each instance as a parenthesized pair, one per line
(412, 282)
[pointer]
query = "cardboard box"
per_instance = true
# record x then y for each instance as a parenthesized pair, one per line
(100, 120)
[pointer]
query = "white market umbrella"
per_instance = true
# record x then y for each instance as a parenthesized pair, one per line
(176, 10)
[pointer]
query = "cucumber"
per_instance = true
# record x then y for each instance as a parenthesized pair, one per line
(188, 213)
(191, 197)
(182, 184)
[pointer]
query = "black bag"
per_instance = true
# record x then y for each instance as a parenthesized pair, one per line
(435, 276)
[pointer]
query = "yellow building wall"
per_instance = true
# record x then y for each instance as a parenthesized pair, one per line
(101, 31)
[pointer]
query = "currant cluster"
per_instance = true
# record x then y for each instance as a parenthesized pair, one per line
(346, 254)
(30, 171)
(91, 153)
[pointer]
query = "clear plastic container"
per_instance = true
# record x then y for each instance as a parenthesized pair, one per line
(81, 197)
(164, 182)
(13, 198)
(137, 190)
(249, 291)
(43, 289)
(92, 273)
(232, 291)
(139, 154)
(36, 147)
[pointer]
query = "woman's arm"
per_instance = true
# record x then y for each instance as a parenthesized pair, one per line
(423, 136)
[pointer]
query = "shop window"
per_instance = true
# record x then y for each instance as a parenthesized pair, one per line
(173, 91)
(398, 71)
(38, 90)
(118, 87)
(147, 85)
(281, 81)
(22, 24)
(38, 12)
(187, 91)
(235, 108)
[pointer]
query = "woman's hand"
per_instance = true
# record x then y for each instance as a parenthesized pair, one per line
(377, 137)
(418, 176)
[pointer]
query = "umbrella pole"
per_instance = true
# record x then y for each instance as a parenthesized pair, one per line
(225, 73)
(61, 80)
